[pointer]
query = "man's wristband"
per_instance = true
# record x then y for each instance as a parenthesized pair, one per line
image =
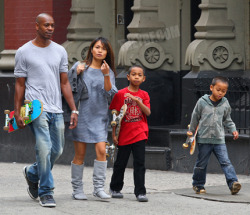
(106, 74)
(75, 111)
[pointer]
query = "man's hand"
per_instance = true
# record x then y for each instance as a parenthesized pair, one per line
(19, 121)
(67, 93)
(18, 100)
(73, 121)
(236, 135)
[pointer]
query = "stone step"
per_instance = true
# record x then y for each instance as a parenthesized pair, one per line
(158, 158)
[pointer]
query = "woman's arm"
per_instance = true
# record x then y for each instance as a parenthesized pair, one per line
(105, 72)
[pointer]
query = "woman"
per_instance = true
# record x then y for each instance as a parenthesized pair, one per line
(99, 76)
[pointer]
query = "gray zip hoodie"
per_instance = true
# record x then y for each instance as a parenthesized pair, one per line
(211, 120)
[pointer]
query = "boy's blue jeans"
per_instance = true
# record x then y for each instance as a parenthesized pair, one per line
(200, 169)
(49, 134)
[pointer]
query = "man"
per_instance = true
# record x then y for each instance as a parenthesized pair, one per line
(41, 73)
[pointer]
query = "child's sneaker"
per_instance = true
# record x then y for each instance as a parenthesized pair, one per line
(199, 189)
(142, 198)
(236, 186)
(116, 194)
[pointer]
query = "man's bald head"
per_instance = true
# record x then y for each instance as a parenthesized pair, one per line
(42, 16)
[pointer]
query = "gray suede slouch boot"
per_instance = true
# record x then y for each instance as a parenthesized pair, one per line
(76, 181)
(99, 177)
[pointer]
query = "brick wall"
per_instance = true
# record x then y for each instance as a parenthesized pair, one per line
(19, 24)
(62, 16)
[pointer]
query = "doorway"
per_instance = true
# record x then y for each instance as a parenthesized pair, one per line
(128, 15)
(195, 16)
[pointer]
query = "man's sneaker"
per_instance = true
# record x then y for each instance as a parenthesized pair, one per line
(116, 194)
(47, 201)
(32, 187)
(199, 189)
(142, 198)
(236, 186)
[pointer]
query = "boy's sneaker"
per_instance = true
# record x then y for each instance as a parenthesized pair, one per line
(199, 189)
(47, 201)
(236, 186)
(33, 187)
(142, 198)
(116, 194)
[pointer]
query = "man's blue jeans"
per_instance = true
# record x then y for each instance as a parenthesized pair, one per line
(200, 169)
(49, 134)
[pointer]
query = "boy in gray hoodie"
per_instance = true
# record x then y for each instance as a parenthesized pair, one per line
(212, 114)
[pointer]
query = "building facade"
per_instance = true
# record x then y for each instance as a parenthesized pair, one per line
(181, 44)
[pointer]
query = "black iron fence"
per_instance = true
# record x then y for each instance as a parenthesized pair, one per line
(238, 96)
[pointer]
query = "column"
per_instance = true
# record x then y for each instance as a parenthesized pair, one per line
(146, 43)
(81, 30)
(218, 44)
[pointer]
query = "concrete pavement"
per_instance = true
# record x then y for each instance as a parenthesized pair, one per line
(169, 193)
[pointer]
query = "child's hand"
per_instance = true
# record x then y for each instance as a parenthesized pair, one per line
(144, 108)
(115, 140)
(131, 96)
(189, 133)
(80, 68)
(236, 135)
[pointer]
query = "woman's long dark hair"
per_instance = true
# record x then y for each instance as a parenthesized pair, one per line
(110, 54)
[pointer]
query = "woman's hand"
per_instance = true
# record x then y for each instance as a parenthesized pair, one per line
(80, 68)
(105, 68)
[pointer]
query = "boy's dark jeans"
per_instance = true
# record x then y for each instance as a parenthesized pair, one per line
(200, 169)
(138, 151)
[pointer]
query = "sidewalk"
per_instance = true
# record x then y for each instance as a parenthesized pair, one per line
(169, 193)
